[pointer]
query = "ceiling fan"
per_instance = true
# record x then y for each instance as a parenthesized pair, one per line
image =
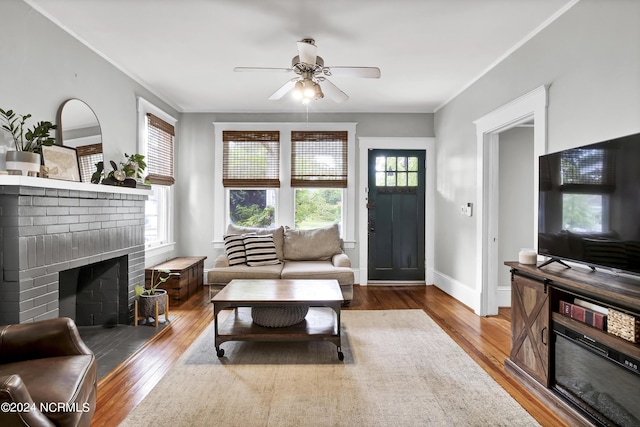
(311, 80)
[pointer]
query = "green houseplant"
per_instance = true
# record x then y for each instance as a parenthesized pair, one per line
(151, 301)
(127, 173)
(27, 141)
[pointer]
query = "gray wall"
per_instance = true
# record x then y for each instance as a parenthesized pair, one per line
(515, 211)
(196, 165)
(590, 57)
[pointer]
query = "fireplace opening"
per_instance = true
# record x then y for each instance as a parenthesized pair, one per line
(96, 294)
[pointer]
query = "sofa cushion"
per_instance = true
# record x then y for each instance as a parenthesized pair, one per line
(260, 250)
(223, 275)
(317, 270)
(277, 233)
(234, 248)
(315, 245)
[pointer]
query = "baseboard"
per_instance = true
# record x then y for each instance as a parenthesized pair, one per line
(504, 297)
(458, 290)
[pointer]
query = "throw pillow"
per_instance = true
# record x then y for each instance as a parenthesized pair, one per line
(277, 233)
(234, 247)
(260, 250)
(313, 245)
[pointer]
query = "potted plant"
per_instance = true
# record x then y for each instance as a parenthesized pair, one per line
(134, 166)
(151, 299)
(28, 142)
(127, 174)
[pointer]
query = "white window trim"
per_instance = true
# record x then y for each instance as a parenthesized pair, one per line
(144, 107)
(285, 211)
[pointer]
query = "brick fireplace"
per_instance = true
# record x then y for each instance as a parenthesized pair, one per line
(48, 227)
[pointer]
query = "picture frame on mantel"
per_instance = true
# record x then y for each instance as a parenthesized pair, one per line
(61, 162)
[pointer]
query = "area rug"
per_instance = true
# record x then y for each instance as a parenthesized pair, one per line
(399, 369)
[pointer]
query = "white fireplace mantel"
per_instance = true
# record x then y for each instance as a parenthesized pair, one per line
(30, 181)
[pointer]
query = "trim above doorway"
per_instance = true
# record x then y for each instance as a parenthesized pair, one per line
(529, 107)
(402, 143)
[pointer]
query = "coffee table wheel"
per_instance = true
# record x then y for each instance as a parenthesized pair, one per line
(340, 354)
(220, 351)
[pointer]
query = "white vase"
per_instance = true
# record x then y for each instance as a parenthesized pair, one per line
(23, 161)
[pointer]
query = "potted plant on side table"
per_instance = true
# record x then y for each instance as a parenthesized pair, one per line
(153, 302)
(28, 142)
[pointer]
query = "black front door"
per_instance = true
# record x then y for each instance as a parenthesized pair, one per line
(396, 215)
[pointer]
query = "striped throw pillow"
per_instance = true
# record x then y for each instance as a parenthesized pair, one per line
(260, 250)
(234, 247)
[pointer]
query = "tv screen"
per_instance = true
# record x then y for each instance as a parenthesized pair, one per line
(589, 204)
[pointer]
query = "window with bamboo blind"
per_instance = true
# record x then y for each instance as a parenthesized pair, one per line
(587, 170)
(319, 159)
(88, 156)
(251, 159)
(159, 158)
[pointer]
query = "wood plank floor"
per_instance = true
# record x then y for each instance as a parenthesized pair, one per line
(485, 339)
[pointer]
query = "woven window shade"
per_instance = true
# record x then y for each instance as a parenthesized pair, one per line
(251, 159)
(159, 157)
(88, 156)
(588, 170)
(319, 159)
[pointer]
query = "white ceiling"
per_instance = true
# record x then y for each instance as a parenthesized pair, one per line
(184, 51)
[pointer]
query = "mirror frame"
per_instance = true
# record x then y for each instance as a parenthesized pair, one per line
(61, 126)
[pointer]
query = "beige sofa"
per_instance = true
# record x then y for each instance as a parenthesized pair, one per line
(299, 254)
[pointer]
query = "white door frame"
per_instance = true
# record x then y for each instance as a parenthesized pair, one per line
(374, 143)
(531, 106)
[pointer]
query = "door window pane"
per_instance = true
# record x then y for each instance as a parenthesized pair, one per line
(413, 164)
(402, 164)
(391, 171)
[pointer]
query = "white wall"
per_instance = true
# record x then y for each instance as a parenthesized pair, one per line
(41, 66)
(590, 58)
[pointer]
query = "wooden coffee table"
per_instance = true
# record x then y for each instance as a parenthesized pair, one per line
(322, 323)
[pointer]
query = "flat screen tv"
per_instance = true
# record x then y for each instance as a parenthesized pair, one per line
(589, 205)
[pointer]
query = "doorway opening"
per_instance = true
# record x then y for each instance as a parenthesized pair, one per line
(529, 108)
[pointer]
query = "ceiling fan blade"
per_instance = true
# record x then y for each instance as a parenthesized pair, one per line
(307, 51)
(333, 92)
(283, 90)
(242, 69)
(366, 72)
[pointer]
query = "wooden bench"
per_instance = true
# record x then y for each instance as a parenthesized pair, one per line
(190, 281)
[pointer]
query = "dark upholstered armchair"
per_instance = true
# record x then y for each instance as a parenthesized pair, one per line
(48, 375)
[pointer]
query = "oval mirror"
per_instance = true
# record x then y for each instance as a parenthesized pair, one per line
(78, 127)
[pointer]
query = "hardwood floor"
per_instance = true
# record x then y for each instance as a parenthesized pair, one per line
(485, 339)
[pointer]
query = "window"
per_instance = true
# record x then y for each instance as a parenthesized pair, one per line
(587, 176)
(88, 156)
(318, 207)
(251, 174)
(582, 212)
(157, 138)
(395, 171)
(293, 174)
(319, 166)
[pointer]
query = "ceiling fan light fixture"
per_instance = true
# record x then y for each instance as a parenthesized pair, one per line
(298, 90)
(318, 91)
(309, 89)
